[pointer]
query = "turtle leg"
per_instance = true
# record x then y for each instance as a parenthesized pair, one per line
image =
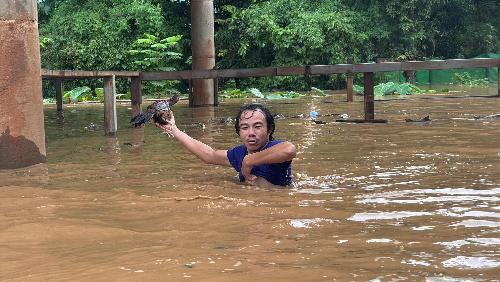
(141, 119)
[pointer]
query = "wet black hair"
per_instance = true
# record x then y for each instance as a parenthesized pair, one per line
(254, 107)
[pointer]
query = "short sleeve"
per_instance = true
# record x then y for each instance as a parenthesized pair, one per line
(235, 156)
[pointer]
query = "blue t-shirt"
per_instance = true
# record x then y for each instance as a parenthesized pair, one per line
(277, 174)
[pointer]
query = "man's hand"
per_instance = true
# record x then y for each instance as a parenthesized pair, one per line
(168, 127)
(246, 169)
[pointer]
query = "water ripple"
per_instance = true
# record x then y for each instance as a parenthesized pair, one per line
(365, 216)
(470, 241)
(308, 222)
(477, 223)
(417, 196)
(471, 262)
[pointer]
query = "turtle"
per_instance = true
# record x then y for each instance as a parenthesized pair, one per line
(158, 110)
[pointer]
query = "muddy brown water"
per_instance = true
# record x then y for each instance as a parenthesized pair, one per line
(371, 202)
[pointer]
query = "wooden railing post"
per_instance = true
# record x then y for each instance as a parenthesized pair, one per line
(410, 76)
(498, 81)
(110, 124)
(350, 94)
(216, 91)
(307, 77)
(136, 95)
(59, 95)
(369, 96)
(190, 88)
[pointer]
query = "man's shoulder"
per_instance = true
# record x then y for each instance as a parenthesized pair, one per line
(240, 147)
(239, 150)
(273, 142)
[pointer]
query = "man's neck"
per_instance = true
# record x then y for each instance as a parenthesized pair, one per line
(258, 150)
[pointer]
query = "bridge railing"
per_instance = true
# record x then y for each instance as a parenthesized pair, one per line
(368, 70)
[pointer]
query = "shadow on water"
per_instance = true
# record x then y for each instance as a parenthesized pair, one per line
(380, 202)
(11, 154)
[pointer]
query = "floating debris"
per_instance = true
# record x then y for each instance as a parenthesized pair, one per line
(92, 127)
(489, 117)
(223, 120)
(425, 119)
(344, 116)
(317, 121)
(313, 114)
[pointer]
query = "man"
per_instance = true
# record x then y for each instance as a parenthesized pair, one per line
(260, 160)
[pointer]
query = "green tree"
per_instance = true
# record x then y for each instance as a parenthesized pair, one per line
(467, 28)
(96, 34)
(45, 10)
(289, 33)
(420, 29)
(152, 53)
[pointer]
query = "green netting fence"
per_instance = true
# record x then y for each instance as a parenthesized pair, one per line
(425, 77)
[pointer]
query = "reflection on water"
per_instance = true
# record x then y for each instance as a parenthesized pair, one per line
(371, 202)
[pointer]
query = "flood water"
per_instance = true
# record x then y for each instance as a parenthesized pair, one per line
(372, 202)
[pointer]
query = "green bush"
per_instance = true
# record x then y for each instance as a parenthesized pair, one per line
(391, 88)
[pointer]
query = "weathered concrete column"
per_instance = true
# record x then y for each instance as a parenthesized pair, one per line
(22, 136)
(203, 51)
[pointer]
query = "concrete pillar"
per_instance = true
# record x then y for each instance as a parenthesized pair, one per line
(22, 135)
(203, 51)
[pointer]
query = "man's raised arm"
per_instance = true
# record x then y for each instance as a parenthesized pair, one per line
(201, 150)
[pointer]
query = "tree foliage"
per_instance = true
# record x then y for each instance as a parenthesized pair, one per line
(422, 29)
(291, 32)
(97, 34)
(153, 53)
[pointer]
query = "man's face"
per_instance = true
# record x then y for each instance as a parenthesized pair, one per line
(253, 130)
